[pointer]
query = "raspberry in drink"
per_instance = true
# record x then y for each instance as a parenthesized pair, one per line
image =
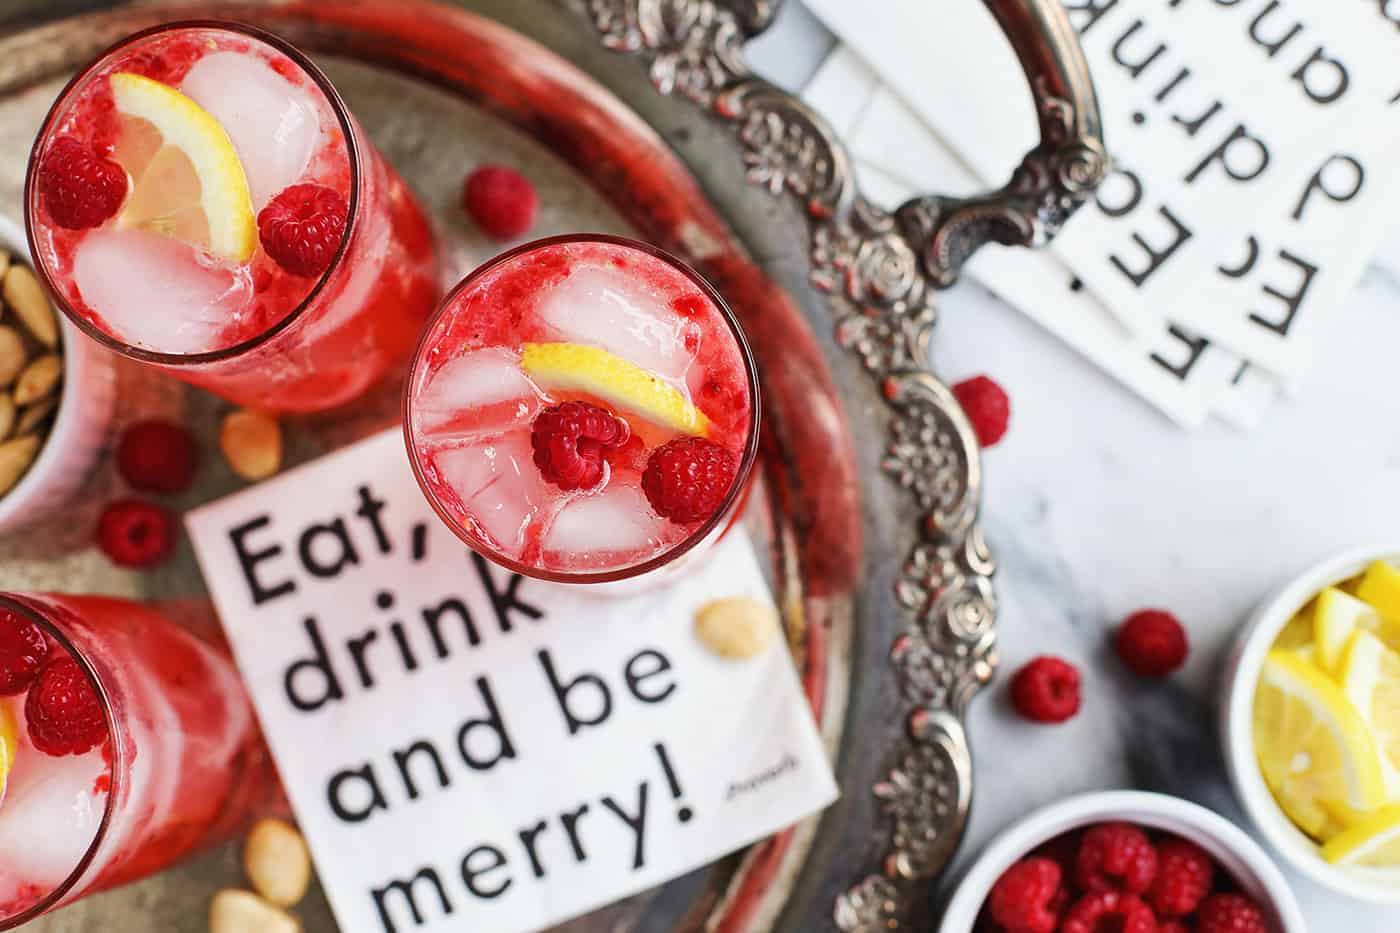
(125, 744)
(199, 198)
(583, 409)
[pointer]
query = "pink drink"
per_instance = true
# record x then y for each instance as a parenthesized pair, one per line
(182, 275)
(187, 767)
(615, 324)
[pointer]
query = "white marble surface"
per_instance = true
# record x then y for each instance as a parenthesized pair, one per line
(1096, 506)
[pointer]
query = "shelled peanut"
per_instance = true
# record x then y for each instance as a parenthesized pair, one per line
(31, 369)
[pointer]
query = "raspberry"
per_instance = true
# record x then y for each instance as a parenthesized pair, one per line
(302, 227)
(501, 201)
(63, 713)
(986, 405)
(80, 188)
(1109, 912)
(1023, 898)
(1172, 926)
(1116, 856)
(1185, 874)
(157, 456)
(1046, 690)
(1230, 913)
(23, 648)
(1152, 643)
(135, 533)
(687, 479)
(569, 442)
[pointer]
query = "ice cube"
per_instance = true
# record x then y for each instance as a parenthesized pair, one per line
(499, 484)
(159, 293)
(617, 519)
(602, 306)
(274, 124)
(49, 816)
(480, 391)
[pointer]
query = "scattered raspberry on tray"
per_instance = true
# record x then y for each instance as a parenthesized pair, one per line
(136, 534)
(1046, 690)
(986, 405)
(501, 201)
(1152, 643)
(157, 456)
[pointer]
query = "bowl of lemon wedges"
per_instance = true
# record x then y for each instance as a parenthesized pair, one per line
(1311, 722)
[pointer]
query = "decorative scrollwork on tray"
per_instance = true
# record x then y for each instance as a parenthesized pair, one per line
(882, 271)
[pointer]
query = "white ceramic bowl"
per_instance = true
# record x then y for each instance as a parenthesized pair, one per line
(1236, 731)
(1236, 853)
(79, 430)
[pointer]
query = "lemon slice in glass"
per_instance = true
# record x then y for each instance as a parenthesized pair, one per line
(577, 367)
(187, 181)
(1372, 843)
(1312, 744)
(9, 744)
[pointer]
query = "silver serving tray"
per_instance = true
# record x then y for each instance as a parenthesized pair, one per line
(871, 480)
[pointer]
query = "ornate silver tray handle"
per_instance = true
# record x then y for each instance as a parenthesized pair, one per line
(882, 271)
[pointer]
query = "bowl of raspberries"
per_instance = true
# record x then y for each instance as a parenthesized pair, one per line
(1123, 862)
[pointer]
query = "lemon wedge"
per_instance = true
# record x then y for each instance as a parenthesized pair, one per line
(1336, 618)
(579, 367)
(1370, 675)
(1380, 586)
(9, 744)
(187, 181)
(1373, 843)
(1312, 744)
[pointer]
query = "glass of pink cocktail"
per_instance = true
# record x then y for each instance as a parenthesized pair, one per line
(199, 198)
(125, 744)
(583, 409)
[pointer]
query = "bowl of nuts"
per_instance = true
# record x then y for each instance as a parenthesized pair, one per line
(57, 390)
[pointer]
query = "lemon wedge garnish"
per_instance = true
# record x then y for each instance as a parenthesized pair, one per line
(1374, 842)
(9, 745)
(1335, 620)
(1370, 675)
(1312, 744)
(577, 367)
(187, 181)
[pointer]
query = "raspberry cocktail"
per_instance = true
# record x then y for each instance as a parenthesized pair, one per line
(583, 409)
(199, 198)
(125, 744)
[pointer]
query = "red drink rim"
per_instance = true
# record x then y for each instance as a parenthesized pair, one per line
(31, 194)
(37, 608)
(736, 490)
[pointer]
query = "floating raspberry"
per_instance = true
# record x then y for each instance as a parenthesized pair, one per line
(1230, 913)
(23, 649)
(135, 533)
(1046, 690)
(1023, 898)
(1185, 874)
(79, 188)
(157, 456)
(501, 201)
(1102, 911)
(687, 479)
(570, 441)
(1152, 643)
(1116, 856)
(986, 405)
(63, 713)
(302, 227)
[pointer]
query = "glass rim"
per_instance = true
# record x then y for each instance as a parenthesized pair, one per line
(737, 489)
(144, 354)
(37, 608)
